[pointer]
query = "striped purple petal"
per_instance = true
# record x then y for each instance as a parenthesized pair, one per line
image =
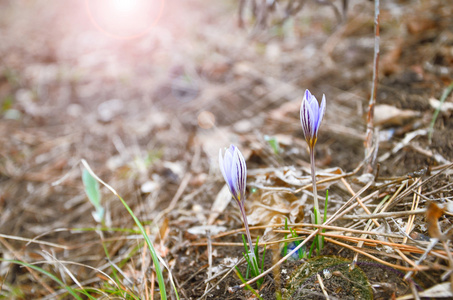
(311, 115)
(234, 171)
(322, 110)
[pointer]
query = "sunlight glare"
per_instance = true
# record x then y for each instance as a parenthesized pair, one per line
(126, 6)
(124, 18)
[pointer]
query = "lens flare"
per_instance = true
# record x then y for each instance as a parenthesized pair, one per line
(126, 6)
(124, 19)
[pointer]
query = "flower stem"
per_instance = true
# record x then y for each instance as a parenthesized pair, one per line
(315, 195)
(247, 230)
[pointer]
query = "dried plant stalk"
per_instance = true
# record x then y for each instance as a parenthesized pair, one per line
(370, 117)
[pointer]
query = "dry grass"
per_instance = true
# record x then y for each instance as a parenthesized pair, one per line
(197, 83)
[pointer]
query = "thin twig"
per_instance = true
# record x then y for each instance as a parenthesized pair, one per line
(374, 243)
(370, 117)
(208, 235)
(433, 243)
(450, 257)
(349, 188)
(392, 202)
(417, 183)
(410, 222)
(321, 284)
(386, 215)
(374, 257)
(414, 290)
(368, 227)
(18, 238)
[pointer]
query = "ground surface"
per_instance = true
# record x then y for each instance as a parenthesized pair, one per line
(150, 113)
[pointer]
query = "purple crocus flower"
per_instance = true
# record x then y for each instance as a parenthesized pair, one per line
(311, 115)
(234, 171)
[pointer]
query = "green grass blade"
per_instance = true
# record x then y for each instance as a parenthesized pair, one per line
(245, 244)
(247, 259)
(317, 237)
(273, 143)
(445, 94)
(155, 257)
(325, 208)
(114, 271)
(256, 267)
(262, 259)
(94, 194)
(51, 276)
(246, 285)
(301, 252)
(246, 256)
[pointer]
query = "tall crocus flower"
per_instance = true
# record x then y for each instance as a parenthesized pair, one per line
(234, 171)
(311, 114)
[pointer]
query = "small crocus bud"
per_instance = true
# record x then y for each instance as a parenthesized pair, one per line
(234, 170)
(311, 115)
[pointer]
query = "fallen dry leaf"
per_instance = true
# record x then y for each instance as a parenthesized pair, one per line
(270, 208)
(441, 290)
(387, 115)
(445, 107)
(220, 203)
(433, 214)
